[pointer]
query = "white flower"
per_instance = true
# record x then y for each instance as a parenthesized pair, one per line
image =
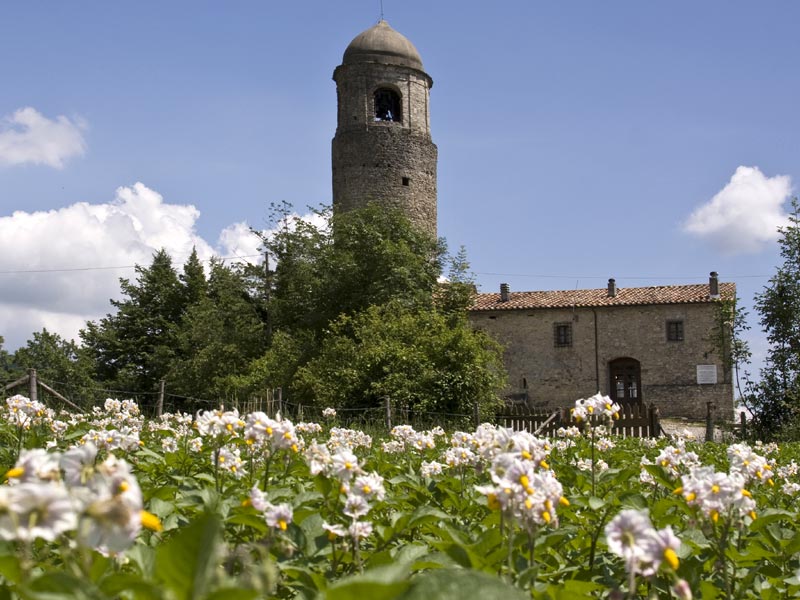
(318, 458)
(78, 464)
(716, 493)
(431, 469)
(278, 516)
(329, 413)
(229, 459)
(35, 465)
(112, 508)
(355, 506)
(460, 456)
(334, 531)
(258, 499)
(359, 530)
(393, 447)
(628, 536)
(344, 465)
(369, 486)
(36, 510)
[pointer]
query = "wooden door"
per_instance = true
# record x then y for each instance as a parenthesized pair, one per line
(625, 381)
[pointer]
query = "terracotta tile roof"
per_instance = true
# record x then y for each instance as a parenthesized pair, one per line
(662, 294)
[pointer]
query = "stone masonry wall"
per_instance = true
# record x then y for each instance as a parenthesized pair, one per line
(557, 376)
(388, 165)
(387, 162)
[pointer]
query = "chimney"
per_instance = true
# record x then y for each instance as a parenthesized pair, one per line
(504, 292)
(612, 287)
(713, 285)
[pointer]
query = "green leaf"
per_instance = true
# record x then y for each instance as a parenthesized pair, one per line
(233, 594)
(140, 589)
(385, 582)
(426, 514)
(60, 585)
(573, 589)
(10, 569)
(250, 520)
(143, 557)
(596, 503)
(186, 563)
(709, 591)
(461, 584)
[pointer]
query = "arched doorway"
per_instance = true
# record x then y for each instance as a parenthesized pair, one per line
(625, 380)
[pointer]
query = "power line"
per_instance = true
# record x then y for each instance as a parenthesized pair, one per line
(486, 273)
(74, 269)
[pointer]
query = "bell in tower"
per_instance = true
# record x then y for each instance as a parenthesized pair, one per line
(382, 151)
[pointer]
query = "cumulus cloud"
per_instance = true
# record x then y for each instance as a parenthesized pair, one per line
(27, 136)
(745, 215)
(59, 268)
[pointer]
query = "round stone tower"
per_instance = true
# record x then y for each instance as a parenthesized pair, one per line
(382, 151)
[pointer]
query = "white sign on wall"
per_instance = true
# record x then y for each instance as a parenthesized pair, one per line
(706, 374)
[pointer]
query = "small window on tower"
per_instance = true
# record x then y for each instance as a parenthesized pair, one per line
(406, 181)
(388, 106)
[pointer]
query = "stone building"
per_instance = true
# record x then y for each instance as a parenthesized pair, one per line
(647, 345)
(382, 151)
(644, 344)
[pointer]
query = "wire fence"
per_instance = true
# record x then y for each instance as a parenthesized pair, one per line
(638, 421)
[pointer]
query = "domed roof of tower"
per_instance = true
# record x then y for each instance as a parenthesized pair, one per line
(382, 44)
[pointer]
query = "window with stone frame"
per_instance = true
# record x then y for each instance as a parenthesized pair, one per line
(388, 105)
(674, 331)
(562, 335)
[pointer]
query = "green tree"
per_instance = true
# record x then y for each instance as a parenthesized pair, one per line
(60, 363)
(375, 255)
(457, 293)
(133, 348)
(775, 399)
(193, 279)
(418, 357)
(220, 334)
(358, 314)
(8, 370)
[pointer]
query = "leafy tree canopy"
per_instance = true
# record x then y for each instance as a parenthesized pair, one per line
(357, 314)
(133, 348)
(60, 363)
(416, 356)
(351, 261)
(220, 334)
(775, 399)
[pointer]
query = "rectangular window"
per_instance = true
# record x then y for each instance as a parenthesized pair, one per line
(562, 335)
(674, 331)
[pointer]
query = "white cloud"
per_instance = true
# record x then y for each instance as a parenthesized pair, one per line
(83, 237)
(239, 240)
(745, 215)
(27, 136)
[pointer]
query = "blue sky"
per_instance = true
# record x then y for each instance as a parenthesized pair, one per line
(576, 139)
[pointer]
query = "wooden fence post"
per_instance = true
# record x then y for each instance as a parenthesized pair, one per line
(709, 422)
(655, 420)
(476, 414)
(388, 406)
(33, 387)
(743, 422)
(161, 389)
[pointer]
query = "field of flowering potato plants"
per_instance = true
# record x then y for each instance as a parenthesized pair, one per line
(221, 505)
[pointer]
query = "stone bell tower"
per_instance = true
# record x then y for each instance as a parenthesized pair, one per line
(382, 151)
